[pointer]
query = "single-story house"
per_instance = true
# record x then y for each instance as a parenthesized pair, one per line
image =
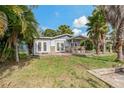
(57, 44)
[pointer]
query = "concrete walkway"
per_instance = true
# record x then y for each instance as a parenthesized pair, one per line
(109, 76)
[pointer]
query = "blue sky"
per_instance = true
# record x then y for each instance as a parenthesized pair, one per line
(51, 16)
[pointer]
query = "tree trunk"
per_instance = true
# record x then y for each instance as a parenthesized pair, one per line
(97, 48)
(120, 53)
(119, 46)
(16, 50)
(30, 48)
(104, 46)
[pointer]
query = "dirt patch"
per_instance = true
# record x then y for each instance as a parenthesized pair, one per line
(81, 66)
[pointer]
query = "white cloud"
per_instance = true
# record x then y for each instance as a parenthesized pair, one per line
(76, 32)
(84, 34)
(80, 22)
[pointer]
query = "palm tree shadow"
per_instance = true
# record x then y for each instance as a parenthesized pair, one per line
(96, 58)
(7, 68)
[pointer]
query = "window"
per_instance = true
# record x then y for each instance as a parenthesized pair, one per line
(62, 46)
(39, 46)
(72, 44)
(44, 46)
(57, 46)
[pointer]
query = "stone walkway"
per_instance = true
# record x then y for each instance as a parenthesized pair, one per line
(109, 76)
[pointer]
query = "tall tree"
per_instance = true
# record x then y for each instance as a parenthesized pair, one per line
(50, 33)
(32, 28)
(19, 25)
(115, 16)
(64, 29)
(3, 23)
(97, 29)
(113, 37)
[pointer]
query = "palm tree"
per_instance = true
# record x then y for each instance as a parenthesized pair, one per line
(115, 16)
(19, 27)
(3, 23)
(97, 29)
(16, 25)
(31, 31)
(113, 37)
(64, 29)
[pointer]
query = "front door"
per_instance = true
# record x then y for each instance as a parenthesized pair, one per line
(42, 47)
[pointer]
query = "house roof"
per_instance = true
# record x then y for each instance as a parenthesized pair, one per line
(58, 36)
(78, 37)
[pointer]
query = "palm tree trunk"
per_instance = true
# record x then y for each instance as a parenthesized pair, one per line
(119, 47)
(16, 52)
(97, 48)
(16, 49)
(120, 54)
(104, 46)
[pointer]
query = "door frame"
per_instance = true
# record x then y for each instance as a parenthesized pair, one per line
(60, 47)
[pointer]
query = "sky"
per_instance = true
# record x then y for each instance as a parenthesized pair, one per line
(52, 16)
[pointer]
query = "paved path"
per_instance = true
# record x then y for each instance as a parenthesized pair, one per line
(109, 76)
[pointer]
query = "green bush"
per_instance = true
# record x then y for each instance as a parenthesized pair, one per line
(82, 43)
(88, 45)
(23, 55)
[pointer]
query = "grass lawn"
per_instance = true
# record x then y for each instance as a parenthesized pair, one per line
(55, 71)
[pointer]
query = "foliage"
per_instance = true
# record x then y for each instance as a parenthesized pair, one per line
(89, 44)
(114, 15)
(64, 29)
(3, 23)
(97, 28)
(50, 33)
(82, 43)
(21, 26)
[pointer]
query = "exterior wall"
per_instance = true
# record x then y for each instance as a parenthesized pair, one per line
(36, 52)
(51, 45)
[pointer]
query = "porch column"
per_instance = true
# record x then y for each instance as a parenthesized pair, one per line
(104, 47)
(110, 47)
(72, 50)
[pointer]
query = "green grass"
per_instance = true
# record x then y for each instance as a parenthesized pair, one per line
(57, 71)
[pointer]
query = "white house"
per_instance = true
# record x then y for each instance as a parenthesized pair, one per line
(55, 44)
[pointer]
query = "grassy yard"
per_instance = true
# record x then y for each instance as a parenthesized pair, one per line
(55, 71)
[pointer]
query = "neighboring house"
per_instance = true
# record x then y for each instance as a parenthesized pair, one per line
(57, 44)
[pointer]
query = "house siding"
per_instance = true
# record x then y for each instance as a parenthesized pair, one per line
(51, 44)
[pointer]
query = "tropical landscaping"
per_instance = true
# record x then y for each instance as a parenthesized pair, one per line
(18, 26)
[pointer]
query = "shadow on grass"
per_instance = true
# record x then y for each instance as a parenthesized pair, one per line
(100, 58)
(6, 68)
